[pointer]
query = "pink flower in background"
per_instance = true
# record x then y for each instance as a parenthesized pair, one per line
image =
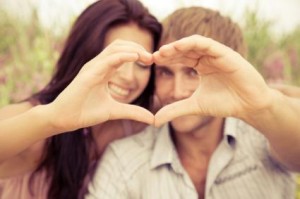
(2, 79)
(39, 80)
(273, 68)
(21, 91)
(2, 71)
(24, 90)
(293, 57)
(2, 61)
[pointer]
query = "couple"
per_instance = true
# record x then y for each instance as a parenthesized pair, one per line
(51, 142)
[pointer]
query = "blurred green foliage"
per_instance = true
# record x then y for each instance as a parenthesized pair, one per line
(28, 53)
(276, 58)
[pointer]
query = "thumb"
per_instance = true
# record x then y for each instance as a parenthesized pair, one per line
(133, 112)
(174, 110)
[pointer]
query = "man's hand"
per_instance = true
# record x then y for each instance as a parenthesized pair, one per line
(230, 86)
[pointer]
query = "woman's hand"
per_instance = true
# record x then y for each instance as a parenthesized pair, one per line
(86, 101)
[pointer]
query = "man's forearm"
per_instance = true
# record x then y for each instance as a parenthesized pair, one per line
(280, 123)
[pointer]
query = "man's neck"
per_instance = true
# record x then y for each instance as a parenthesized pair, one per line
(201, 143)
(195, 150)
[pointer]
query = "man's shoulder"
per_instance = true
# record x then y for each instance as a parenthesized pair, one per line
(254, 145)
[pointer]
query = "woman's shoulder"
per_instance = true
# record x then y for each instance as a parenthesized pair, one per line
(23, 163)
(18, 186)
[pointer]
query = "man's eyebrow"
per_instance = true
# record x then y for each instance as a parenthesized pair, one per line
(162, 67)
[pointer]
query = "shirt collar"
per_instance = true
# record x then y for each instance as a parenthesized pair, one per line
(164, 151)
(230, 129)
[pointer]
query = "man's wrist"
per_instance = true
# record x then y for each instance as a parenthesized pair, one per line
(267, 112)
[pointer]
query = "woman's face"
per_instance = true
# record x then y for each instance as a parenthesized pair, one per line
(131, 79)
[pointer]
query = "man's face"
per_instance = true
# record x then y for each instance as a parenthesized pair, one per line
(176, 82)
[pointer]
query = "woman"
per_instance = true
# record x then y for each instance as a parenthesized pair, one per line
(73, 110)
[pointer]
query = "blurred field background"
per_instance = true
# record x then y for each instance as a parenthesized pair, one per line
(29, 50)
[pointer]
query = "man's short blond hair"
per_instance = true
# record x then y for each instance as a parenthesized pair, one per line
(206, 22)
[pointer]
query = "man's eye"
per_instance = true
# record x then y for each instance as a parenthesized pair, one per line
(163, 73)
(192, 72)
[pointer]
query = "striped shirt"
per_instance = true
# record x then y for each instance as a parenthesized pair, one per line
(146, 166)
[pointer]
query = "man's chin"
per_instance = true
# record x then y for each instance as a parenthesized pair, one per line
(185, 124)
(190, 123)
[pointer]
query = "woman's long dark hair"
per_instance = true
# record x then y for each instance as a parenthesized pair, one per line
(66, 156)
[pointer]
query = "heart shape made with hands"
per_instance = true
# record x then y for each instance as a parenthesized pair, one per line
(184, 52)
(230, 86)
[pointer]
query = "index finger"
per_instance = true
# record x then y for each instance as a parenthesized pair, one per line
(199, 44)
(174, 110)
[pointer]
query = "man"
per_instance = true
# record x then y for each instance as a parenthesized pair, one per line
(200, 153)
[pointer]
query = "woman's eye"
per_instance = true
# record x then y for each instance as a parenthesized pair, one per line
(142, 66)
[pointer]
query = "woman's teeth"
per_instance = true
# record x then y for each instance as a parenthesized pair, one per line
(118, 90)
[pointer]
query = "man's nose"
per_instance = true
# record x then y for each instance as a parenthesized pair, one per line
(126, 71)
(181, 89)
